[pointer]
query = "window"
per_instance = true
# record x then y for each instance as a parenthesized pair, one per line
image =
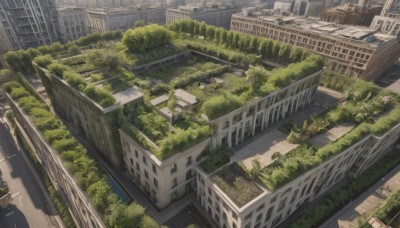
(136, 154)
(248, 215)
(294, 196)
(269, 213)
(144, 160)
(259, 217)
(189, 161)
(154, 169)
(282, 204)
(146, 174)
(276, 220)
(248, 225)
(260, 207)
(137, 166)
(155, 181)
(174, 182)
(273, 199)
(131, 161)
(188, 174)
(234, 225)
(234, 215)
(174, 168)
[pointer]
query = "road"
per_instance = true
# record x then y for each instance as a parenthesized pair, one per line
(29, 206)
(349, 209)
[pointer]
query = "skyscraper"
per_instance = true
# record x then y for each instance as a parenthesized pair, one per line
(27, 23)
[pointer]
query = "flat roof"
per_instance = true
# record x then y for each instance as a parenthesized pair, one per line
(356, 33)
(128, 95)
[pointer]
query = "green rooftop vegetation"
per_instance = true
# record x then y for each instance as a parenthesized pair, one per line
(83, 168)
(374, 110)
(237, 184)
(101, 65)
(215, 158)
(157, 135)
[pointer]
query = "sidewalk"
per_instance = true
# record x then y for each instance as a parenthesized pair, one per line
(54, 218)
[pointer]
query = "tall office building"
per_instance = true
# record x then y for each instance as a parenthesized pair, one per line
(28, 23)
(72, 23)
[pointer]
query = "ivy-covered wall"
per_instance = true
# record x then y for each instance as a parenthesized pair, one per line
(98, 125)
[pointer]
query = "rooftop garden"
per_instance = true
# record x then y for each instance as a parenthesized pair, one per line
(157, 135)
(83, 168)
(237, 184)
(372, 109)
(204, 86)
(215, 158)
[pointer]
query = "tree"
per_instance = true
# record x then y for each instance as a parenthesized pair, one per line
(148, 222)
(210, 32)
(256, 75)
(98, 193)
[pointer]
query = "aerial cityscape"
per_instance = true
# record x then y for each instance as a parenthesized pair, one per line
(198, 113)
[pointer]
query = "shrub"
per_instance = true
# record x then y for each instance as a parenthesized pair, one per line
(146, 38)
(220, 105)
(75, 80)
(57, 69)
(74, 50)
(43, 60)
(6, 75)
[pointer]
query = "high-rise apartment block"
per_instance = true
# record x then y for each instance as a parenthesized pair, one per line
(353, 51)
(349, 14)
(28, 23)
(72, 22)
(213, 14)
(108, 19)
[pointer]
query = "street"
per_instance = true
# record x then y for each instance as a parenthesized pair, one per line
(29, 206)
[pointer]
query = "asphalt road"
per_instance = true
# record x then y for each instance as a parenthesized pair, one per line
(29, 207)
(349, 209)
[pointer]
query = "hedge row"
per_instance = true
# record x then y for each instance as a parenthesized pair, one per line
(61, 207)
(339, 198)
(270, 49)
(146, 38)
(184, 81)
(279, 173)
(233, 56)
(86, 173)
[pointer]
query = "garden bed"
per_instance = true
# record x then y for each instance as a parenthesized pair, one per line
(236, 183)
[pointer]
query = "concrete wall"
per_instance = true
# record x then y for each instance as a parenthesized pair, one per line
(271, 208)
(75, 199)
(97, 124)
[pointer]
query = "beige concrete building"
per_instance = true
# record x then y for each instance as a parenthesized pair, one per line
(268, 208)
(72, 23)
(353, 51)
(386, 25)
(108, 19)
(211, 13)
(82, 211)
(165, 181)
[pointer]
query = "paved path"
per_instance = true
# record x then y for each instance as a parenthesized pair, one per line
(350, 210)
(30, 207)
